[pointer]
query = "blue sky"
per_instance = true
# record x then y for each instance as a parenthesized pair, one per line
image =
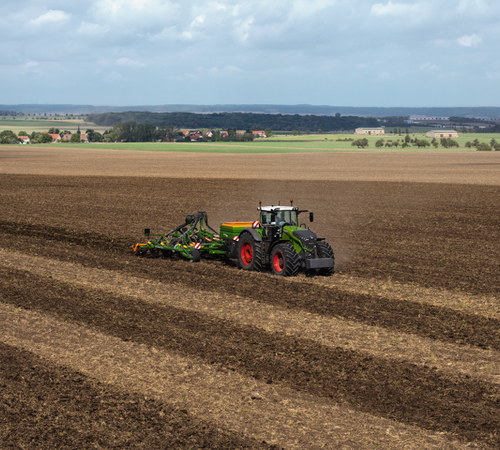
(320, 52)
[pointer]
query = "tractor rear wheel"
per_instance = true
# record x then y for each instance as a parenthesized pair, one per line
(285, 260)
(325, 251)
(249, 253)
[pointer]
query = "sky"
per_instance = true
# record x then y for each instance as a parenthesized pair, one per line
(320, 52)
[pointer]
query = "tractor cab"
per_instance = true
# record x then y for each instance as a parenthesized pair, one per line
(280, 216)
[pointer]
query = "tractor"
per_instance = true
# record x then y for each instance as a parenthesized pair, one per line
(276, 240)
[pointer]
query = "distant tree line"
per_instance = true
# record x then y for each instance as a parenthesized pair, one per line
(240, 121)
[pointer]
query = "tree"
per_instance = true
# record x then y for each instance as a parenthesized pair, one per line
(22, 133)
(379, 143)
(75, 138)
(483, 147)
(8, 137)
(40, 138)
(468, 144)
(93, 136)
(320, 131)
(268, 132)
(407, 139)
(308, 132)
(53, 130)
(360, 143)
(422, 143)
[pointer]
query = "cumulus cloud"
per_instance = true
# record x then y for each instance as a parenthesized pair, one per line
(92, 29)
(51, 16)
(274, 45)
(469, 41)
(172, 34)
(395, 9)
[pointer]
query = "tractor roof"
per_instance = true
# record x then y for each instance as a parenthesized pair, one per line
(277, 208)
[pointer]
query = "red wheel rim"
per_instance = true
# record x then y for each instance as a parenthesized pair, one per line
(278, 262)
(246, 253)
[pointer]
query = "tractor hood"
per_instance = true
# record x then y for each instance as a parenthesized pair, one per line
(307, 238)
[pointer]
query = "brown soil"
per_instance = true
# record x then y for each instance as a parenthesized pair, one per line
(442, 236)
(52, 407)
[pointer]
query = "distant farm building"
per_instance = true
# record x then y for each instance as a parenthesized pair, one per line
(24, 139)
(442, 134)
(379, 130)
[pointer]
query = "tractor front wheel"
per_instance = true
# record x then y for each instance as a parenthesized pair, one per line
(325, 251)
(249, 253)
(285, 260)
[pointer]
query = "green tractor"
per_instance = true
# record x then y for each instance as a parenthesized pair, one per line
(279, 241)
(276, 240)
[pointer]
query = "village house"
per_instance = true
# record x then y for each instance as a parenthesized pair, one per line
(259, 133)
(442, 134)
(55, 137)
(371, 131)
(240, 132)
(24, 139)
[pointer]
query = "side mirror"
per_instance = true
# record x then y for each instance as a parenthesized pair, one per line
(311, 217)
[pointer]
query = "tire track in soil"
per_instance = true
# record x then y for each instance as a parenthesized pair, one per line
(400, 391)
(440, 234)
(379, 342)
(299, 421)
(428, 321)
(46, 407)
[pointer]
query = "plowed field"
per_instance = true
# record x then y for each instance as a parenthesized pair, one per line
(100, 349)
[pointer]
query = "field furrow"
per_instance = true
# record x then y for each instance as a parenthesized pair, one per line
(101, 349)
(334, 332)
(45, 406)
(401, 391)
(269, 412)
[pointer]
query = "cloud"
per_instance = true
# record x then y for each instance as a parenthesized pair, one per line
(92, 29)
(394, 9)
(172, 34)
(125, 62)
(469, 41)
(51, 16)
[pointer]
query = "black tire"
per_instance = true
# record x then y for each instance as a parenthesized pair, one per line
(285, 261)
(196, 255)
(249, 253)
(325, 251)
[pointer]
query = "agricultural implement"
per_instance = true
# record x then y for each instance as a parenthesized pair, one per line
(276, 240)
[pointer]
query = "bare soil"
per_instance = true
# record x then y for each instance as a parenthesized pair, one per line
(438, 236)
